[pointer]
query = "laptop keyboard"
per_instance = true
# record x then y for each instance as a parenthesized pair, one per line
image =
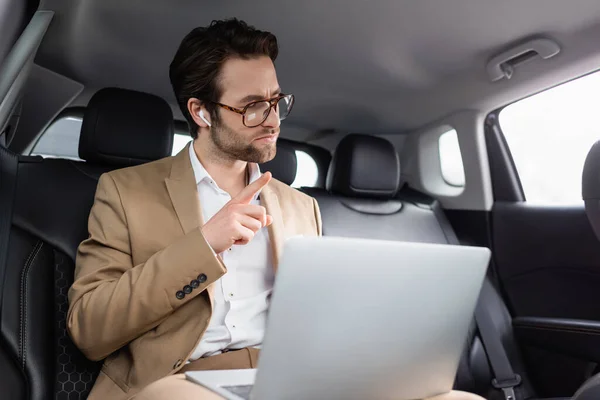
(242, 391)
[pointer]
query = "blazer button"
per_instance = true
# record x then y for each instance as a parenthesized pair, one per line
(187, 289)
(202, 278)
(180, 295)
(178, 364)
(194, 284)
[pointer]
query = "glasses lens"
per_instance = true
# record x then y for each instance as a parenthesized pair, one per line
(257, 113)
(284, 107)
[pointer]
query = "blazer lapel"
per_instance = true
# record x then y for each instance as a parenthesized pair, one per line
(269, 200)
(181, 185)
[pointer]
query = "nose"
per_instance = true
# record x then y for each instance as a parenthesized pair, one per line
(272, 120)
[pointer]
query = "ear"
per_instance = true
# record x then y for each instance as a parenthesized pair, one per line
(194, 107)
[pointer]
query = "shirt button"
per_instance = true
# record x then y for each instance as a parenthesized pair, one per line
(187, 289)
(202, 278)
(230, 294)
(180, 295)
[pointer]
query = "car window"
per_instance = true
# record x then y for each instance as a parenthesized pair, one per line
(307, 172)
(549, 135)
(451, 162)
(61, 139)
(179, 142)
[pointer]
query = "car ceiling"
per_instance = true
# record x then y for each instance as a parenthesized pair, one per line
(383, 66)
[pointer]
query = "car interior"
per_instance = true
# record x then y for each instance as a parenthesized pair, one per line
(463, 122)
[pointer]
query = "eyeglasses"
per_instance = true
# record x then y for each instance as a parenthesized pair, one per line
(257, 112)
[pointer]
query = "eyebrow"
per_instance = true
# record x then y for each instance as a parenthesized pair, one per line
(254, 97)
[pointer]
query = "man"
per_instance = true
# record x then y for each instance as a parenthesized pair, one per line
(179, 266)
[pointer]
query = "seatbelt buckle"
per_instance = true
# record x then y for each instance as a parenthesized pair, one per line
(508, 386)
(509, 393)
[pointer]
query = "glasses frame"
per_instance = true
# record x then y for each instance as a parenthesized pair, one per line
(273, 103)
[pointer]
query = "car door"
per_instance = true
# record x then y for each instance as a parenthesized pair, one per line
(546, 256)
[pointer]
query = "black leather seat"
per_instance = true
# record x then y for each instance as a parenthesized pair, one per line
(363, 198)
(38, 360)
(285, 164)
(590, 187)
(590, 190)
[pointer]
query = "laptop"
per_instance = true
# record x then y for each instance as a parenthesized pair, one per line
(361, 319)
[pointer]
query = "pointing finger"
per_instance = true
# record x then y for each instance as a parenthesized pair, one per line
(247, 194)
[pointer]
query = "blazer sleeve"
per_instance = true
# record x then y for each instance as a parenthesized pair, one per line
(111, 301)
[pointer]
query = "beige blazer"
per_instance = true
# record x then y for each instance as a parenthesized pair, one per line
(144, 246)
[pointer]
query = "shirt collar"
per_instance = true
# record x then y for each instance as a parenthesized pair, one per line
(254, 172)
(200, 173)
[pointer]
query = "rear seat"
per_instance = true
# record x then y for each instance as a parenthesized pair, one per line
(363, 199)
(361, 196)
(53, 201)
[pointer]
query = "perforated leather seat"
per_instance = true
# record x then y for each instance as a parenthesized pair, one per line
(38, 360)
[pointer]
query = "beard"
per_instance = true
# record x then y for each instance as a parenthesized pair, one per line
(236, 146)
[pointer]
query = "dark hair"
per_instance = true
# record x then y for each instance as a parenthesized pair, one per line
(195, 69)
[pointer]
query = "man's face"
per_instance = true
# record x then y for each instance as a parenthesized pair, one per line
(241, 82)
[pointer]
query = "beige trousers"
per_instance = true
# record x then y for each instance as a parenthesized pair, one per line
(177, 387)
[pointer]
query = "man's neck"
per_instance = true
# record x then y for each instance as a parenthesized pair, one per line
(229, 175)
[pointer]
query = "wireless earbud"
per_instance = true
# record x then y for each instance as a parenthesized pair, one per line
(203, 118)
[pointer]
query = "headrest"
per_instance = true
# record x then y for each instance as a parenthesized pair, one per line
(285, 164)
(590, 181)
(123, 128)
(364, 166)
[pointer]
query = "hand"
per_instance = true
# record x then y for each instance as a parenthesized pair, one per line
(238, 221)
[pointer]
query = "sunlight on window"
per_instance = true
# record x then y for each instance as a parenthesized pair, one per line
(451, 161)
(549, 135)
(61, 139)
(307, 172)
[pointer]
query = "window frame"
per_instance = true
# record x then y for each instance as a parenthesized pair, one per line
(506, 182)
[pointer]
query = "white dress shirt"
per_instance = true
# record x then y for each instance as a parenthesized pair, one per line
(241, 296)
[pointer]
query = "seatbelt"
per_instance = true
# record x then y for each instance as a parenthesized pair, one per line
(505, 377)
(8, 182)
(444, 223)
